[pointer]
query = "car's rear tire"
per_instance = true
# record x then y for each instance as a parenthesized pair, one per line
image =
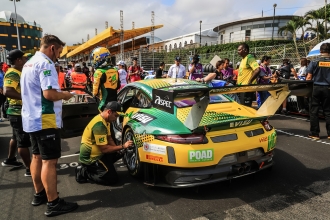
(131, 157)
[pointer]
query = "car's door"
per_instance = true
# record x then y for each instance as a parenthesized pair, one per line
(77, 113)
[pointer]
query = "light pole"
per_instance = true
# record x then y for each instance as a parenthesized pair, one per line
(325, 19)
(200, 33)
(273, 21)
(18, 40)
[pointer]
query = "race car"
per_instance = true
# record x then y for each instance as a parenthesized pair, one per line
(187, 134)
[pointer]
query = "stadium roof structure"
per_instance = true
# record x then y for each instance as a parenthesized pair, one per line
(109, 37)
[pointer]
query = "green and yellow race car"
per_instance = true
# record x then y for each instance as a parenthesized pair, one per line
(186, 133)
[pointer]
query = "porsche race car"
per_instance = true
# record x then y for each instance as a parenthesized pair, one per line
(187, 134)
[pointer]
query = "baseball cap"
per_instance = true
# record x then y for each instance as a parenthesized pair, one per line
(77, 65)
(114, 106)
(178, 58)
(122, 63)
(15, 54)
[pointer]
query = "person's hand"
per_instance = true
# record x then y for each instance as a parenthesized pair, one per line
(128, 144)
(67, 95)
(198, 79)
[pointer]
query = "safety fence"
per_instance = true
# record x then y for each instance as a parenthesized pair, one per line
(150, 60)
(3, 54)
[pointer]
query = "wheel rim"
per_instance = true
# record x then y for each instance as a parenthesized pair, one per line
(130, 154)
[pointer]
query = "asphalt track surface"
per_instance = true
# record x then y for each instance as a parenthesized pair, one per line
(298, 186)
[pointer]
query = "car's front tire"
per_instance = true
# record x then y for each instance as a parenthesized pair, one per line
(131, 157)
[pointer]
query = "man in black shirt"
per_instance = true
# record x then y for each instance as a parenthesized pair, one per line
(319, 71)
(159, 72)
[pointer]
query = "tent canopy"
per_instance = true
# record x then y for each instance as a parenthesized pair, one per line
(109, 37)
(316, 50)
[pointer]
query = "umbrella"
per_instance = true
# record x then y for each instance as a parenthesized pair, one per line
(316, 50)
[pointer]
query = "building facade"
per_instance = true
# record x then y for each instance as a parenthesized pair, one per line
(30, 33)
(262, 28)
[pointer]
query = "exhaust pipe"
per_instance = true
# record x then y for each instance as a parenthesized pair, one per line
(238, 169)
(247, 167)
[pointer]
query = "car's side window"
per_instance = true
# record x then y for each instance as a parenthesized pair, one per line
(121, 96)
(141, 101)
(128, 99)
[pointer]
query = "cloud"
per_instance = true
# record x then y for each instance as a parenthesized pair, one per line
(72, 20)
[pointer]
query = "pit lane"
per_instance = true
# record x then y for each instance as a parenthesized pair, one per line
(298, 187)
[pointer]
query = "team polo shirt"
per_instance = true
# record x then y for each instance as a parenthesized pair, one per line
(246, 68)
(38, 113)
(12, 79)
(96, 133)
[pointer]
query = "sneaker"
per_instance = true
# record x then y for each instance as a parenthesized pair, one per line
(314, 136)
(61, 207)
(11, 163)
(27, 172)
(79, 178)
(39, 199)
(284, 111)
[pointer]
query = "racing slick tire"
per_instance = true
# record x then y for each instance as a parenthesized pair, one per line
(131, 156)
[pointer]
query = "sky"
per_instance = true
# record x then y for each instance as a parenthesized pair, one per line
(72, 20)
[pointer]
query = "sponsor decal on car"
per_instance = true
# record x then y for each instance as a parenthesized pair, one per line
(154, 158)
(263, 139)
(143, 118)
(195, 156)
(272, 141)
(154, 148)
(163, 100)
(240, 123)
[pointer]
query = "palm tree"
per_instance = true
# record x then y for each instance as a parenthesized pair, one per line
(291, 27)
(317, 16)
(320, 29)
(302, 23)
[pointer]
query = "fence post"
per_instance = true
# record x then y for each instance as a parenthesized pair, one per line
(284, 51)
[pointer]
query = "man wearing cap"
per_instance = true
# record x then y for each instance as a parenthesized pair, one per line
(98, 150)
(177, 70)
(122, 73)
(12, 90)
(134, 71)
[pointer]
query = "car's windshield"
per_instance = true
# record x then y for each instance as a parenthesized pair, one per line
(190, 100)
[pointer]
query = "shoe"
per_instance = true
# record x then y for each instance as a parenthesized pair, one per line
(79, 178)
(314, 136)
(284, 112)
(39, 199)
(27, 172)
(60, 208)
(11, 163)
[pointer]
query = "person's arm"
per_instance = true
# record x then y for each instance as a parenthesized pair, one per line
(254, 75)
(309, 76)
(207, 78)
(112, 147)
(54, 95)
(251, 61)
(64, 82)
(183, 69)
(10, 92)
(169, 73)
(97, 82)
(309, 71)
(294, 73)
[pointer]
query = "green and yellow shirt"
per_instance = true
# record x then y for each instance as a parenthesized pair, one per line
(246, 68)
(96, 133)
(12, 79)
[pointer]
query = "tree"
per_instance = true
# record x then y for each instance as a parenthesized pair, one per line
(317, 16)
(320, 29)
(291, 27)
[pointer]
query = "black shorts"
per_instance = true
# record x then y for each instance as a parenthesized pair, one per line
(46, 143)
(22, 138)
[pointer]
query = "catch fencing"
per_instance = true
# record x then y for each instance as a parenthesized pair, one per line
(151, 60)
(3, 54)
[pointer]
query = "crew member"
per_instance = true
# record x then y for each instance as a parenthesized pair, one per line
(195, 68)
(247, 73)
(319, 72)
(106, 78)
(12, 90)
(98, 151)
(61, 76)
(78, 79)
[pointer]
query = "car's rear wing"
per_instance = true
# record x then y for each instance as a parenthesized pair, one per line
(163, 98)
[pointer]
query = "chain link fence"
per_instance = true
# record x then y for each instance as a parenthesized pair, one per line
(151, 60)
(3, 54)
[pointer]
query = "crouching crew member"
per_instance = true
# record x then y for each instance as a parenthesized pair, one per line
(98, 151)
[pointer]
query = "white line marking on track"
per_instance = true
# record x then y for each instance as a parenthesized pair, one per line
(288, 116)
(71, 155)
(295, 135)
